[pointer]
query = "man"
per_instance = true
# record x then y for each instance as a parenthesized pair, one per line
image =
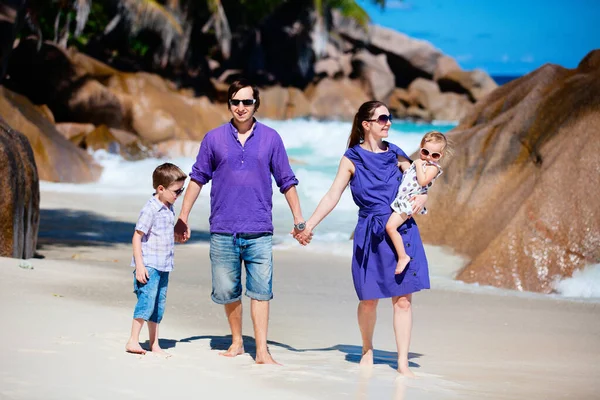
(240, 158)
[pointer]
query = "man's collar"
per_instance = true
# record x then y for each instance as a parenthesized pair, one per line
(252, 130)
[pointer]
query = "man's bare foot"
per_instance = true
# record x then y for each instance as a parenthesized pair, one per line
(234, 350)
(134, 348)
(405, 371)
(160, 352)
(265, 358)
(367, 358)
(402, 263)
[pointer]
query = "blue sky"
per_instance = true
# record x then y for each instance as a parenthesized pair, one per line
(509, 37)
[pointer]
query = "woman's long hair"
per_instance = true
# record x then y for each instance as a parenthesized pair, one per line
(364, 113)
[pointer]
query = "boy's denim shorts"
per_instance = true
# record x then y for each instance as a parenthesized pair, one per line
(226, 255)
(151, 295)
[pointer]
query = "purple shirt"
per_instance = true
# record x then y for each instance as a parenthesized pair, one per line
(241, 194)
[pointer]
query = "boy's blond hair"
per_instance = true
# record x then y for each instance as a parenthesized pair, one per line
(166, 174)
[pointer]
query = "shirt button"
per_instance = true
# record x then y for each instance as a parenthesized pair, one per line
(242, 161)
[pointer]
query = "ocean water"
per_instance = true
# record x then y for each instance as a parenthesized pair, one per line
(315, 148)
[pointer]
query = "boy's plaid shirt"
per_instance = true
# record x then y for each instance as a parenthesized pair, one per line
(157, 221)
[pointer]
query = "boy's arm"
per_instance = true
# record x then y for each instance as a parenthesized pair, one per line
(141, 273)
(403, 163)
(424, 177)
(291, 196)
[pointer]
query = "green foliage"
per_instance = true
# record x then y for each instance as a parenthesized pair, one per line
(351, 9)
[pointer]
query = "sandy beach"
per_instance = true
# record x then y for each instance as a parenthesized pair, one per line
(65, 322)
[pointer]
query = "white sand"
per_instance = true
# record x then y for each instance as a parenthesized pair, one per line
(65, 323)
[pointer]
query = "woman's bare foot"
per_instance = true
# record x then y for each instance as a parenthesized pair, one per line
(405, 371)
(367, 358)
(160, 352)
(234, 350)
(134, 348)
(402, 263)
(265, 358)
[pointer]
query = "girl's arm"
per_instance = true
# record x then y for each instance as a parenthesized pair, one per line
(424, 177)
(331, 198)
(403, 163)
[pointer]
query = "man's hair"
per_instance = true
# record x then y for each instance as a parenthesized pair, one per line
(240, 84)
(166, 174)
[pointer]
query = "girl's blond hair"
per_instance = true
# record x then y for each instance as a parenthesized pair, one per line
(438, 137)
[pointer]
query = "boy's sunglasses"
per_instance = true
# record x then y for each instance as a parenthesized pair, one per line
(246, 102)
(382, 119)
(178, 191)
(435, 156)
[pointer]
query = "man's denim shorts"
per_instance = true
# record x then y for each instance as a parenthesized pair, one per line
(151, 295)
(226, 255)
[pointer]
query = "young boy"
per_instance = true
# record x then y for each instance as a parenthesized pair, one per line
(153, 243)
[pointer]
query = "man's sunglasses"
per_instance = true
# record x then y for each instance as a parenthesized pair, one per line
(435, 156)
(246, 102)
(178, 191)
(382, 119)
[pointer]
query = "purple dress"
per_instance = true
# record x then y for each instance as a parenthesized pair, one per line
(374, 186)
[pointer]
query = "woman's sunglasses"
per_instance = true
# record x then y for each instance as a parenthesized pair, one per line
(435, 156)
(382, 119)
(246, 102)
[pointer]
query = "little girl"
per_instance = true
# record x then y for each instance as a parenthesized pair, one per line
(418, 178)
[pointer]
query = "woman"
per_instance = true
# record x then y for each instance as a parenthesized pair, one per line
(370, 166)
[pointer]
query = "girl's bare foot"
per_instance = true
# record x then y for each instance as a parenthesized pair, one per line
(402, 263)
(134, 348)
(234, 350)
(367, 358)
(405, 371)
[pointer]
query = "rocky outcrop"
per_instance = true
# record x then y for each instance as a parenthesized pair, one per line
(57, 159)
(331, 99)
(520, 195)
(283, 103)
(20, 200)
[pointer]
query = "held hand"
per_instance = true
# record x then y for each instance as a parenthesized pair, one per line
(182, 231)
(303, 237)
(418, 163)
(418, 202)
(141, 274)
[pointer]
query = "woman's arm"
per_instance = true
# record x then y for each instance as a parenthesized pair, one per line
(403, 163)
(331, 198)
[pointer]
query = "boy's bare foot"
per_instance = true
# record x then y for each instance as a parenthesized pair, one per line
(402, 263)
(405, 371)
(265, 358)
(234, 350)
(160, 352)
(134, 348)
(367, 358)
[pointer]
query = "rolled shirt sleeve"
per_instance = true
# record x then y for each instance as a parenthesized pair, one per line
(145, 219)
(202, 170)
(280, 166)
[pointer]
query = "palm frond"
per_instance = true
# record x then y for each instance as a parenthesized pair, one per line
(351, 9)
(82, 9)
(149, 14)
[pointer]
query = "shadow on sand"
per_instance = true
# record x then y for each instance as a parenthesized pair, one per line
(352, 353)
(84, 228)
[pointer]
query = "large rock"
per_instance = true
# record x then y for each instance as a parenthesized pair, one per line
(521, 196)
(57, 159)
(283, 103)
(20, 200)
(336, 99)
(159, 113)
(408, 58)
(375, 74)
(476, 84)
(426, 94)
